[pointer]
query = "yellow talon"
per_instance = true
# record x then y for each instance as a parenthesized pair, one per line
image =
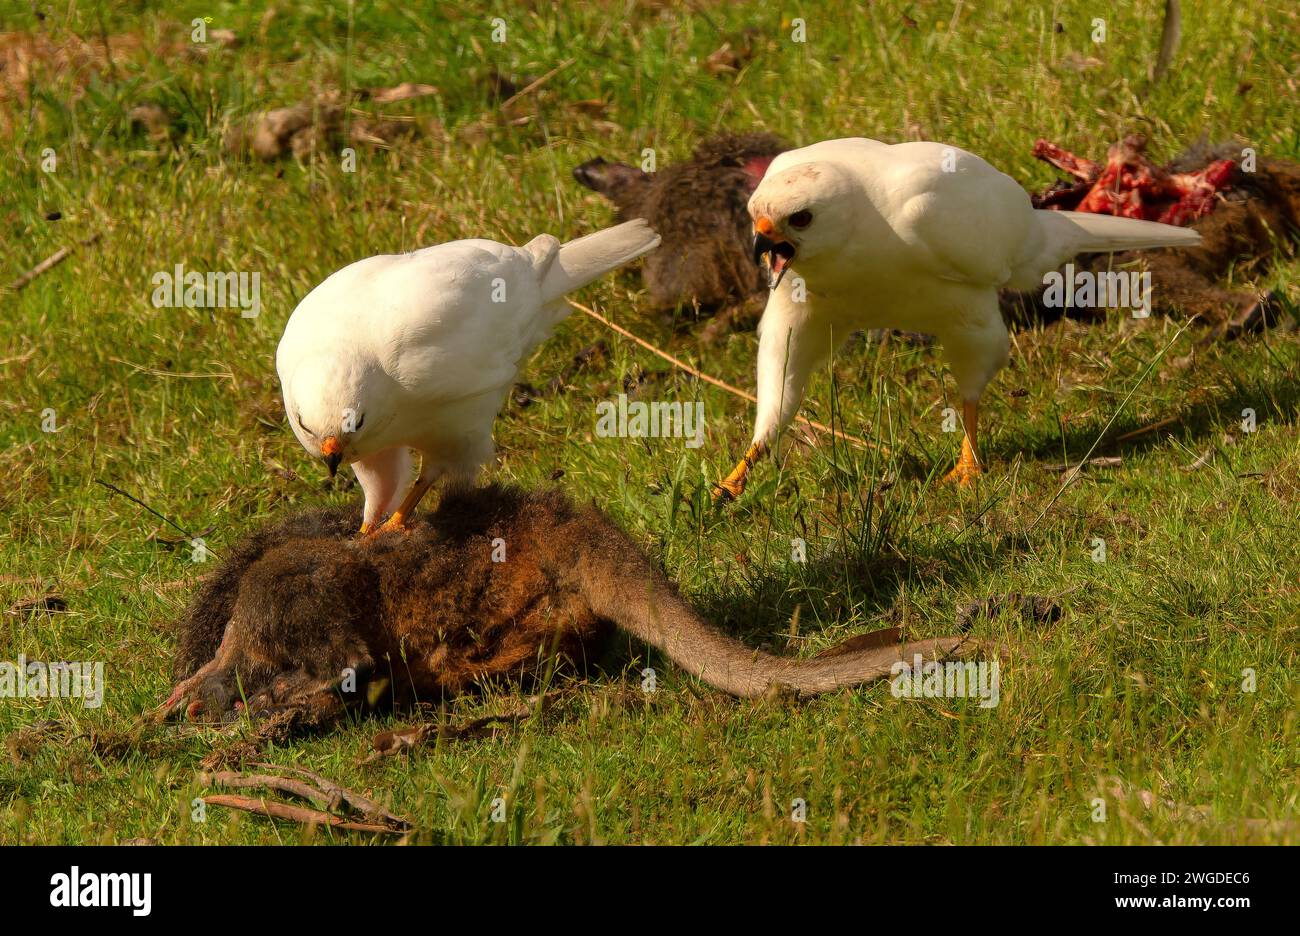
(733, 485)
(964, 474)
(395, 522)
(967, 469)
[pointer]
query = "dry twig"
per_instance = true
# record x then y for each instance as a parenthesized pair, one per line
(301, 814)
(320, 791)
(48, 263)
(736, 391)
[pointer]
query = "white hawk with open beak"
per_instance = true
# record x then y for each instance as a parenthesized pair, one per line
(913, 236)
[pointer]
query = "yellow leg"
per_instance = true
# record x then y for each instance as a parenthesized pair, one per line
(733, 485)
(968, 467)
(397, 521)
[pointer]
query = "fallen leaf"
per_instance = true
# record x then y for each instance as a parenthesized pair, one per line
(885, 637)
(1080, 63)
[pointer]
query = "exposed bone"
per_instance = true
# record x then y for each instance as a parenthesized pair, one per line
(1129, 185)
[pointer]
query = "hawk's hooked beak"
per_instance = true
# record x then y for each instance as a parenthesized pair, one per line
(331, 452)
(778, 250)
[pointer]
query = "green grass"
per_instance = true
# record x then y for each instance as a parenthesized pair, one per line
(1140, 679)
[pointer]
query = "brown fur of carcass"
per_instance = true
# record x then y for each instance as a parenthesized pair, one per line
(1258, 219)
(427, 613)
(698, 207)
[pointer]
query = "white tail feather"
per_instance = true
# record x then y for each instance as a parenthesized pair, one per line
(581, 261)
(1098, 232)
(1062, 235)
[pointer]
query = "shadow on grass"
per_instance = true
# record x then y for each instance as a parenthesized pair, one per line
(1272, 396)
(842, 588)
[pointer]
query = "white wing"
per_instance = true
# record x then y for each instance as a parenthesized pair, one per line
(970, 223)
(967, 221)
(455, 320)
(445, 323)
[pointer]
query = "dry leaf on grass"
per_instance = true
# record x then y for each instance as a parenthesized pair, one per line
(886, 637)
(402, 92)
(321, 124)
(399, 740)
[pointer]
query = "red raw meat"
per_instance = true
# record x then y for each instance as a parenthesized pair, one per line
(1129, 185)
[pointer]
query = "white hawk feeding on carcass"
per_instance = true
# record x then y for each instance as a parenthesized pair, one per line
(418, 351)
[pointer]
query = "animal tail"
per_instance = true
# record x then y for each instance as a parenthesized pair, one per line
(1062, 235)
(579, 262)
(652, 610)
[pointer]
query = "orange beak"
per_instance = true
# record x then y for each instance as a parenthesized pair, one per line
(331, 451)
(768, 242)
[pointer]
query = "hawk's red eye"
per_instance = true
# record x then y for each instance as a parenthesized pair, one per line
(800, 219)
